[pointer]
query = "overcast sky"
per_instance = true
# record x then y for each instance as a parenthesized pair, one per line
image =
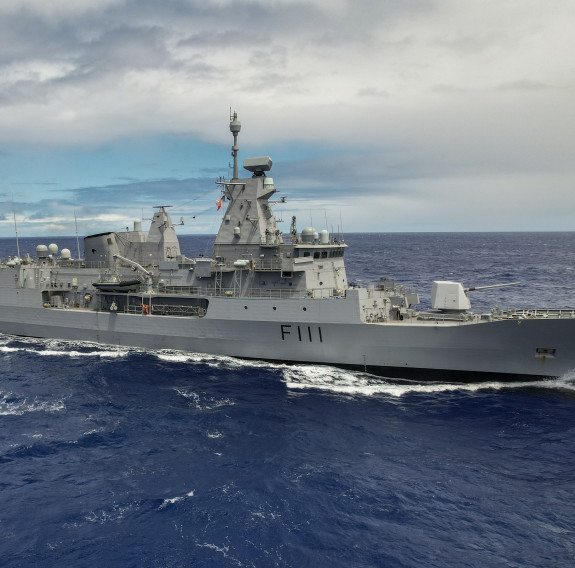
(384, 115)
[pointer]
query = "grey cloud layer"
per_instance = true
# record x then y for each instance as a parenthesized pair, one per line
(199, 39)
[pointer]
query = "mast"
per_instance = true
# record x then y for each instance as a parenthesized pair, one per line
(77, 239)
(16, 231)
(235, 127)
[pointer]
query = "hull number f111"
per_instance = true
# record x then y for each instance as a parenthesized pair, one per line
(302, 332)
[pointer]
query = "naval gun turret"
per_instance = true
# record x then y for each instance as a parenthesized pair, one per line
(452, 296)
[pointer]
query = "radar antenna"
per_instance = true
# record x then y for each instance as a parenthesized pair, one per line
(235, 127)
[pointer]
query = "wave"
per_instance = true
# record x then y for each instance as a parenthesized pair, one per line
(203, 401)
(316, 377)
(117, 512)
(212, 360)
(55, 348)
(327, 378)
(333, 379)
(13, 405)
(172, 500)
(111, 354)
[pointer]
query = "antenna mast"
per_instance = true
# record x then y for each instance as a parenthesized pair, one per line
(235, 127)
(77, 239)
(16, 231)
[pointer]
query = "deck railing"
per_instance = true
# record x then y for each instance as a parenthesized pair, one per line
(167, 310)
(538, 313)
(230, 292)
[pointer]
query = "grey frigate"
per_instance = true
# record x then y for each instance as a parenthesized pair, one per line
(266, 295)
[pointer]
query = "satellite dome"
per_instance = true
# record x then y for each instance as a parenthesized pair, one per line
(41, 251)
(308, 235)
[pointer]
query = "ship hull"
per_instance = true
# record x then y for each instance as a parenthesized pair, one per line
(508, 349)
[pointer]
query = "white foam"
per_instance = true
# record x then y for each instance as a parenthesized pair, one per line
(103, 354)
(6, 349)
(173, 358)
(57, 348)
(201, 401)
(17, 407)
(115, 513)
(564, 382)
(269, 515)
(312, 377)
(36, 436)
(323, 377)
(94, 431)
(223, 550)
(74, 354)
(211, 360)
(172, 500)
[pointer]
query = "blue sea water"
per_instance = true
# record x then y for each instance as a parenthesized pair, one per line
(132, 458)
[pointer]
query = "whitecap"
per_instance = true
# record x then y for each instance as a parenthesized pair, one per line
(116, 513)
(14, 406)
(214, 435)
(202, 401)
(7, 349)
(224, 550)
(172, 500)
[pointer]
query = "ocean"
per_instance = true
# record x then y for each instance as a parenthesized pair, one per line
(119, 457)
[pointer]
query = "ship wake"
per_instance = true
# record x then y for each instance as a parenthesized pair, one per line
(296, 377)
(56, 348)
(323, 378)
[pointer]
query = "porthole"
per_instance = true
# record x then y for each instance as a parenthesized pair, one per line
(245, 307)
(305, 309)
(275, 308)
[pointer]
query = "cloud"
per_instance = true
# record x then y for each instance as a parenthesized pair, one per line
(375, 99)
(143, 190)
(524, 85)
(113, 207)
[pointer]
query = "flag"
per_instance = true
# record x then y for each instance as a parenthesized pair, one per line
(219, 204)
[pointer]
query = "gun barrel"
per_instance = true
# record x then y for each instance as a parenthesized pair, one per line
(491, 286)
